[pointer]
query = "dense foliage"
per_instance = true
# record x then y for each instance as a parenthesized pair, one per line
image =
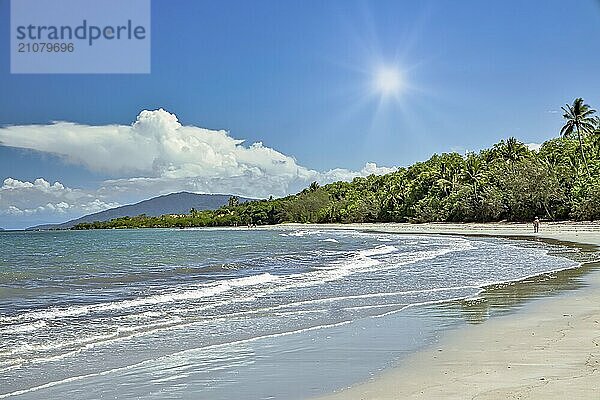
(506, 182)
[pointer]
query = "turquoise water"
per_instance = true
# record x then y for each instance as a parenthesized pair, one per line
(220, 313)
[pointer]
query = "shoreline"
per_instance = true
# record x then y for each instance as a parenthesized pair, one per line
(584, 233)
(548, 349)
(459, 357)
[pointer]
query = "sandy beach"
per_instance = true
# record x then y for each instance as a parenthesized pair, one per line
(549, 349)
(567, 231)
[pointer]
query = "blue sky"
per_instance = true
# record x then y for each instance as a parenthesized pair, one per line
(298, 77)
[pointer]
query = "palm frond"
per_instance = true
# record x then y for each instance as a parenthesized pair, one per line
(567, 130)
(588, 113)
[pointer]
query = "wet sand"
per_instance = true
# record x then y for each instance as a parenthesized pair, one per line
(543, 349)
(576, 232)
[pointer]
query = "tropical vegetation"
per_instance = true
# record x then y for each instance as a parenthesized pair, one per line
(509, 181)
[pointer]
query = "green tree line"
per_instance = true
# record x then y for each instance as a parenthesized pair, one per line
(508, 181)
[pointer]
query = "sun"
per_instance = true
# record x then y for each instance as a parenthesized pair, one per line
(388, 81)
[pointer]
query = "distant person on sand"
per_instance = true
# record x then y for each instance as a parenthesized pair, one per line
(536, 225)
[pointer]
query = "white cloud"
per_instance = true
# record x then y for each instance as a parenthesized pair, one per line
(534, 146)
(254, 185)
(40, 200)
(340, 174)
(155, 145)
(154, 155)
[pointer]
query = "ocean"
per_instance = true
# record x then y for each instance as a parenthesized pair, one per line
(280, 313)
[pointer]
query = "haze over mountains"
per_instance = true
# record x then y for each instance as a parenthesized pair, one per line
(174, 203)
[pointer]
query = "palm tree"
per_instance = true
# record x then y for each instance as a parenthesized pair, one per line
(514, 150)
(394, 197)
(474, 171)
(578, 119)
(596, 137)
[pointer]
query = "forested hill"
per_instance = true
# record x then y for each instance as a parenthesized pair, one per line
(174, 203)
(505, 182)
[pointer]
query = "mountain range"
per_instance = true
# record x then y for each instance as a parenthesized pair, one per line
(174, 203)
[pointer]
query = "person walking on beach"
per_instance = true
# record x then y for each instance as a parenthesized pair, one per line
(536, 225)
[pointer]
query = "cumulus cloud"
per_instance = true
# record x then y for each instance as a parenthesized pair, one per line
(40, 200)
(155, 155)
(534, 146)
(155, 145)
(341, 174)
(248, 185)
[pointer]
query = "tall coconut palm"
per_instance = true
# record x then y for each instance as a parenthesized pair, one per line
(596, 137)
(514, 150)
(474, 171)
(579, 120)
